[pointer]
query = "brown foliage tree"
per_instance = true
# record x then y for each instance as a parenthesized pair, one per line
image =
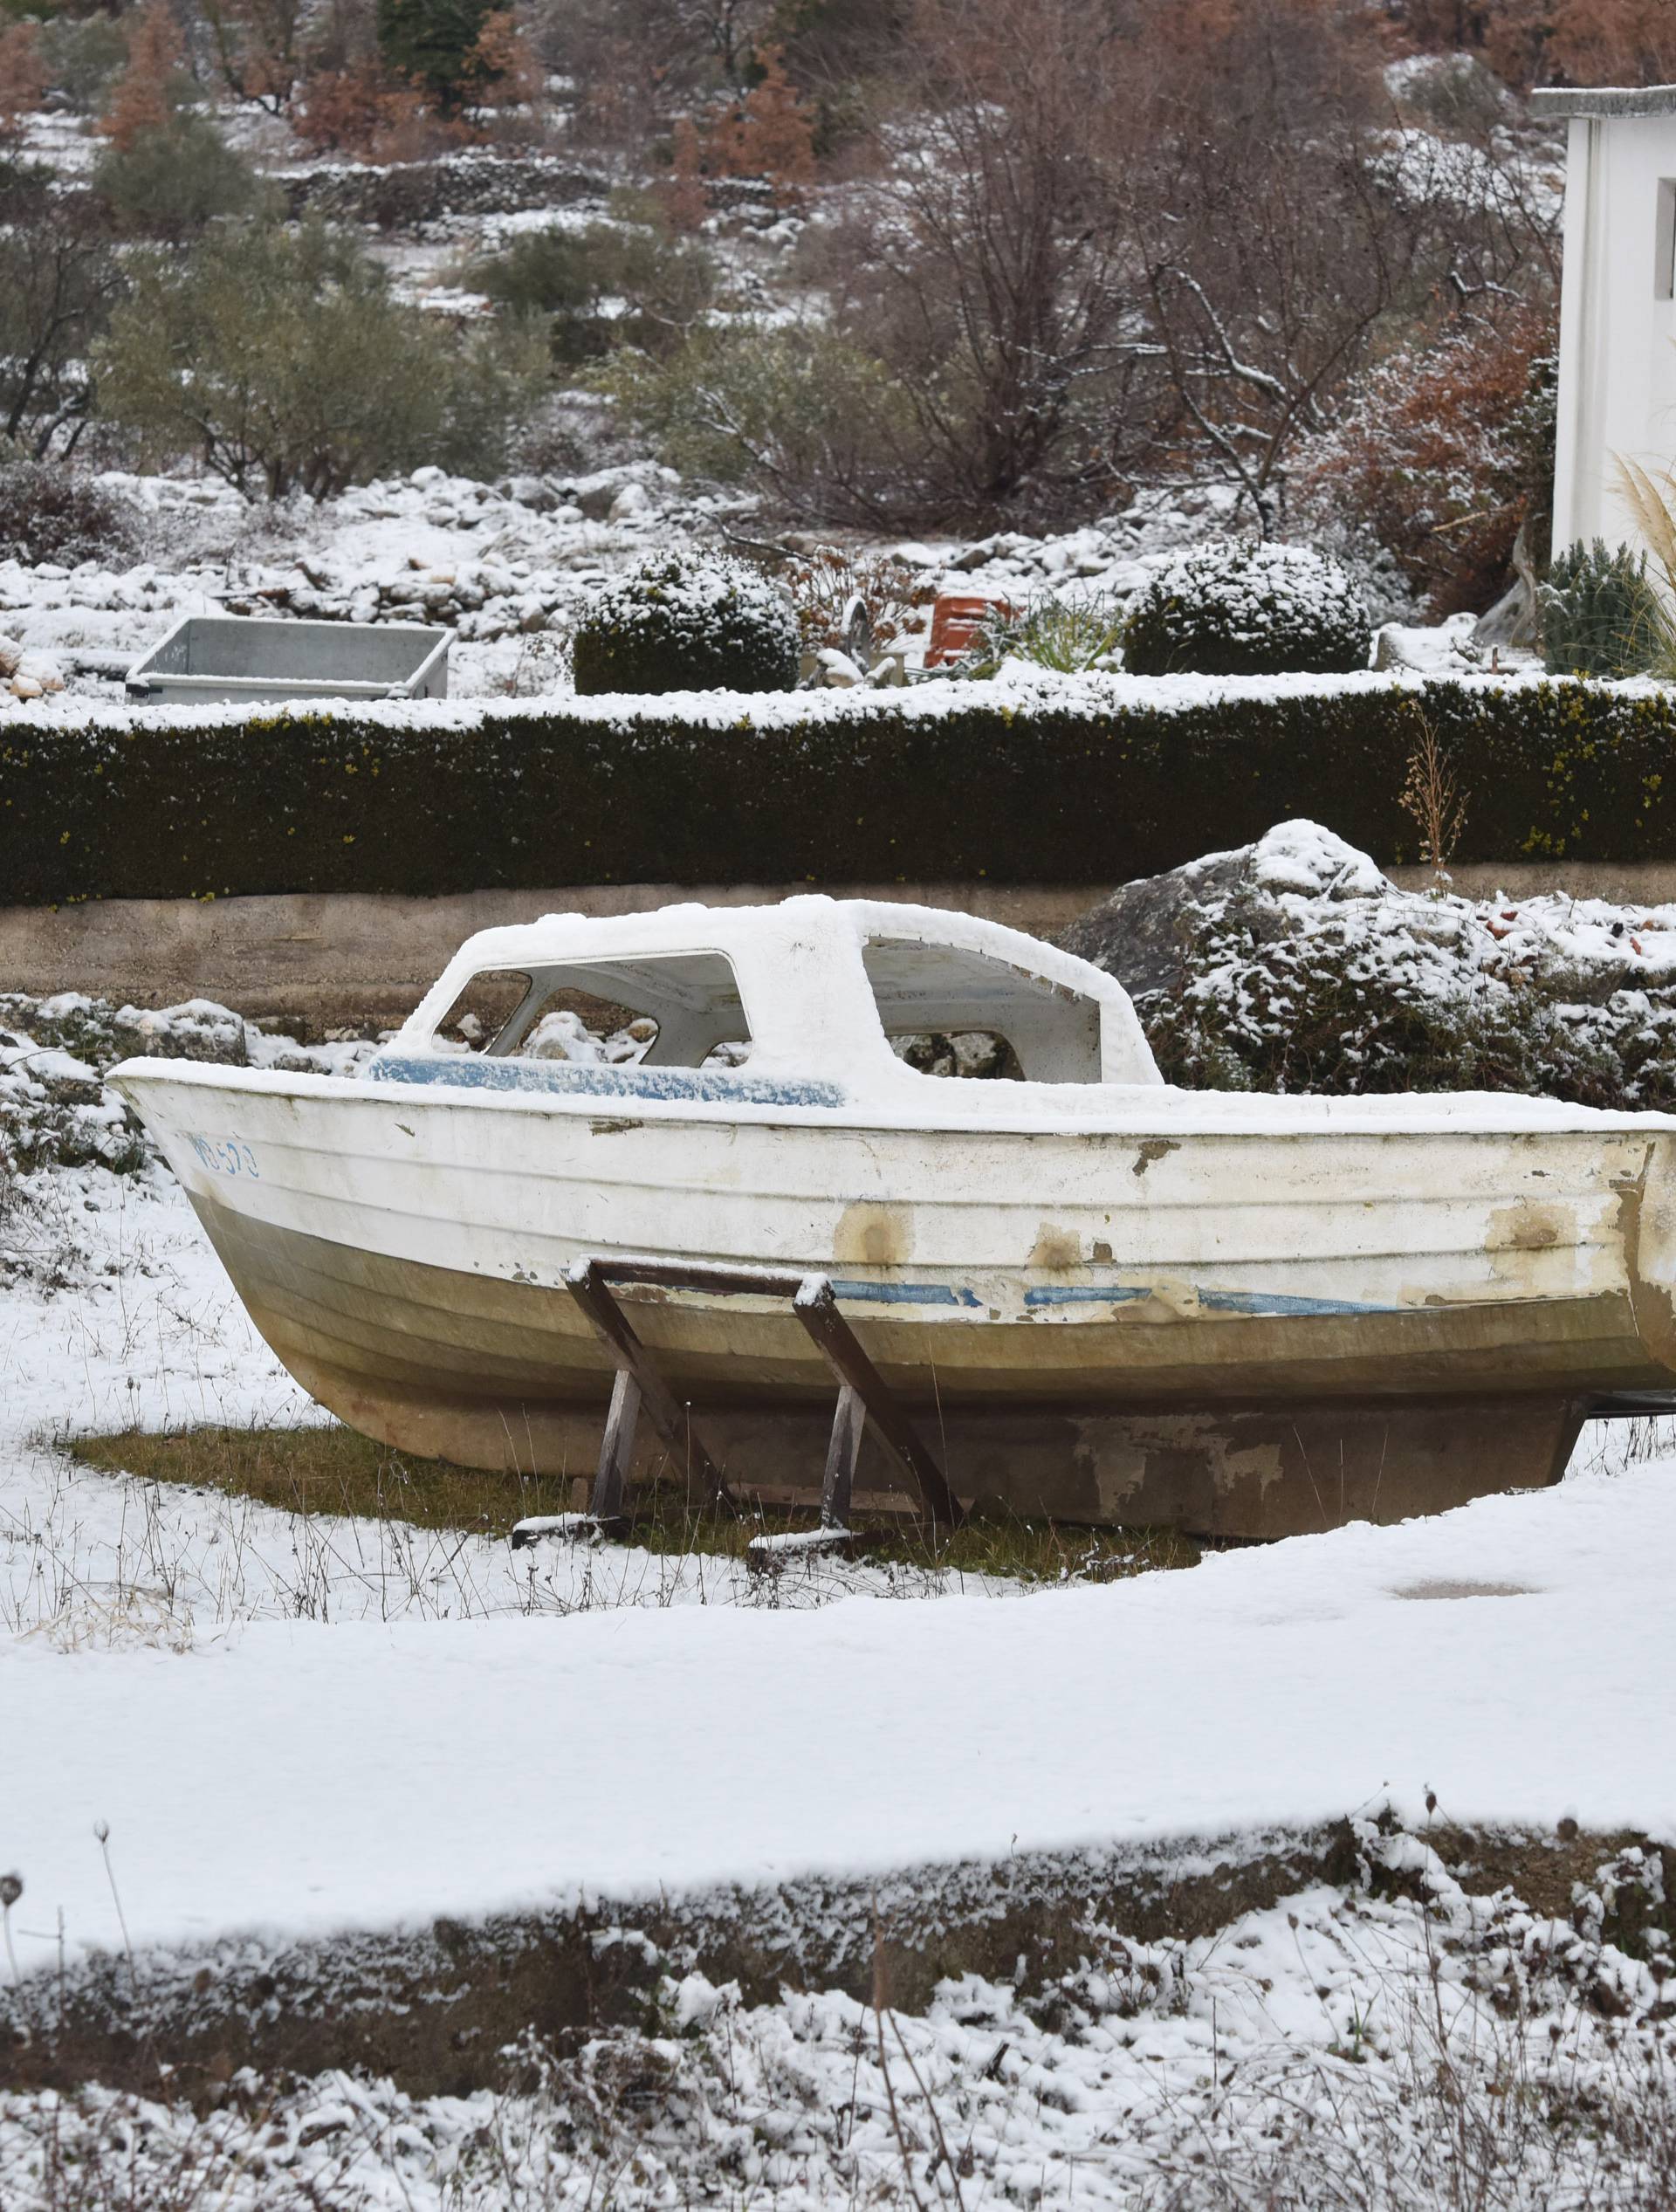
(148, 92)
(23, 80)
(1528, 41)
(1444, 450)
(366, 113)
(767, 132)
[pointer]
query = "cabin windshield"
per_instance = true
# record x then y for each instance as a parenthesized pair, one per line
(950, 1011)
(662, 1010)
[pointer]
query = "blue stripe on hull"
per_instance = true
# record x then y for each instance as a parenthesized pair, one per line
(713, 1086)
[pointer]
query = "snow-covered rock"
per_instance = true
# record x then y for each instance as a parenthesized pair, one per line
(1292, 964)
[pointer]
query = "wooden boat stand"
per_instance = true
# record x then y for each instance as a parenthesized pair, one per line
(863, 1395)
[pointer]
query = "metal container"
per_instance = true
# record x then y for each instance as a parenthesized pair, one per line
(223, 657)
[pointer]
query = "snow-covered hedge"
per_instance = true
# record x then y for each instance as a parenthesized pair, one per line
(1235, 608)
(687, 622)
(1079, 780)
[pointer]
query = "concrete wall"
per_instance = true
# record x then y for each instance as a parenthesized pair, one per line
(1617, 320)
(346, 958)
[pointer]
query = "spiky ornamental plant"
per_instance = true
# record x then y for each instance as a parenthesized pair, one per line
(1601, 616)
(1082, 631)
(688, 621)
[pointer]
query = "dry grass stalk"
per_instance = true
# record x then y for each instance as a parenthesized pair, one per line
(1652, 502)
(1432, 799)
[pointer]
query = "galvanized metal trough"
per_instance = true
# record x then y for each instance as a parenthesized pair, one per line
(211, 657)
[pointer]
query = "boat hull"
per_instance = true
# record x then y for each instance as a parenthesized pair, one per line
(1243, 1333)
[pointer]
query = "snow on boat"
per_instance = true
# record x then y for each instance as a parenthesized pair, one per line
(1101, 1297)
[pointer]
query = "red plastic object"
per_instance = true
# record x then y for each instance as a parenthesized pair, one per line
(956, 617)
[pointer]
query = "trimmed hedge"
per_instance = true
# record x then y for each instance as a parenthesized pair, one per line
(1016, 791)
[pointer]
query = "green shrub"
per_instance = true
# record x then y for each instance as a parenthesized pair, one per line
(1600, 614)
(1238, 606)
(658, 285)
(798, 415)
(82, 57)
(282, 358)
(858, 788)
(550, 273)
(176, 177)
(688, 622)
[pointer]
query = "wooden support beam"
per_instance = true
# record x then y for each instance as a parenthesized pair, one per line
(842, 1451)
(617, 1452)
(586, 1285)
(817, 1309)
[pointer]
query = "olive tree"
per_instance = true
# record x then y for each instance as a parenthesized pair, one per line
(283, 359)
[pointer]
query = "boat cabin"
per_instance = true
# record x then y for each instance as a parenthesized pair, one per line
(816, 1000)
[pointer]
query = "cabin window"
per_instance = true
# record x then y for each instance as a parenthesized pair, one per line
(948, 1011)
(1664, 261)
(483, 1009)
(666, 1010)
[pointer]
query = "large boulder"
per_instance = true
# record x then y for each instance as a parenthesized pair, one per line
(1144, 933)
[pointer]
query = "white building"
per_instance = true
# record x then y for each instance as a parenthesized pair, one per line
(1617, 307)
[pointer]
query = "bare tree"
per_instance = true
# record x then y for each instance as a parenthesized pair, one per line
(258, 47)
(1270, 229)
(59, 278)
(982, 263)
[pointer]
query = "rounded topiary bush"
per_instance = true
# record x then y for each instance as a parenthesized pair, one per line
(1238, 607)
(688, 622)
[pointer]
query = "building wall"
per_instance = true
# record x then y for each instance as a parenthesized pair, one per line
(1617, 336)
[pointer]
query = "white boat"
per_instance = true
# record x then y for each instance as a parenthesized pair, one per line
(1099, 1297)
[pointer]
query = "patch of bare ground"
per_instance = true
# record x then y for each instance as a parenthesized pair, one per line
(327, 1469)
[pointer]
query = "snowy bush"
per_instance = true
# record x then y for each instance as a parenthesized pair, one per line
(49, 513)
(688, 622)
(1238, 607)
(1031, 779)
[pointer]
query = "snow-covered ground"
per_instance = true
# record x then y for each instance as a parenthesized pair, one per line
(506, 567)
(1339, 2049)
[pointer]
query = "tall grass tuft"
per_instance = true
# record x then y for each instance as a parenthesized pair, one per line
(1083, 631)
(1602, 616)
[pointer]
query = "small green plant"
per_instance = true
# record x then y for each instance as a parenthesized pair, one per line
(1601, 616)
(688, 621)
(1237, 607)
(1083, 631)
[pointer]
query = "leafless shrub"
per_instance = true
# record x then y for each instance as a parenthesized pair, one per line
(830, 583)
